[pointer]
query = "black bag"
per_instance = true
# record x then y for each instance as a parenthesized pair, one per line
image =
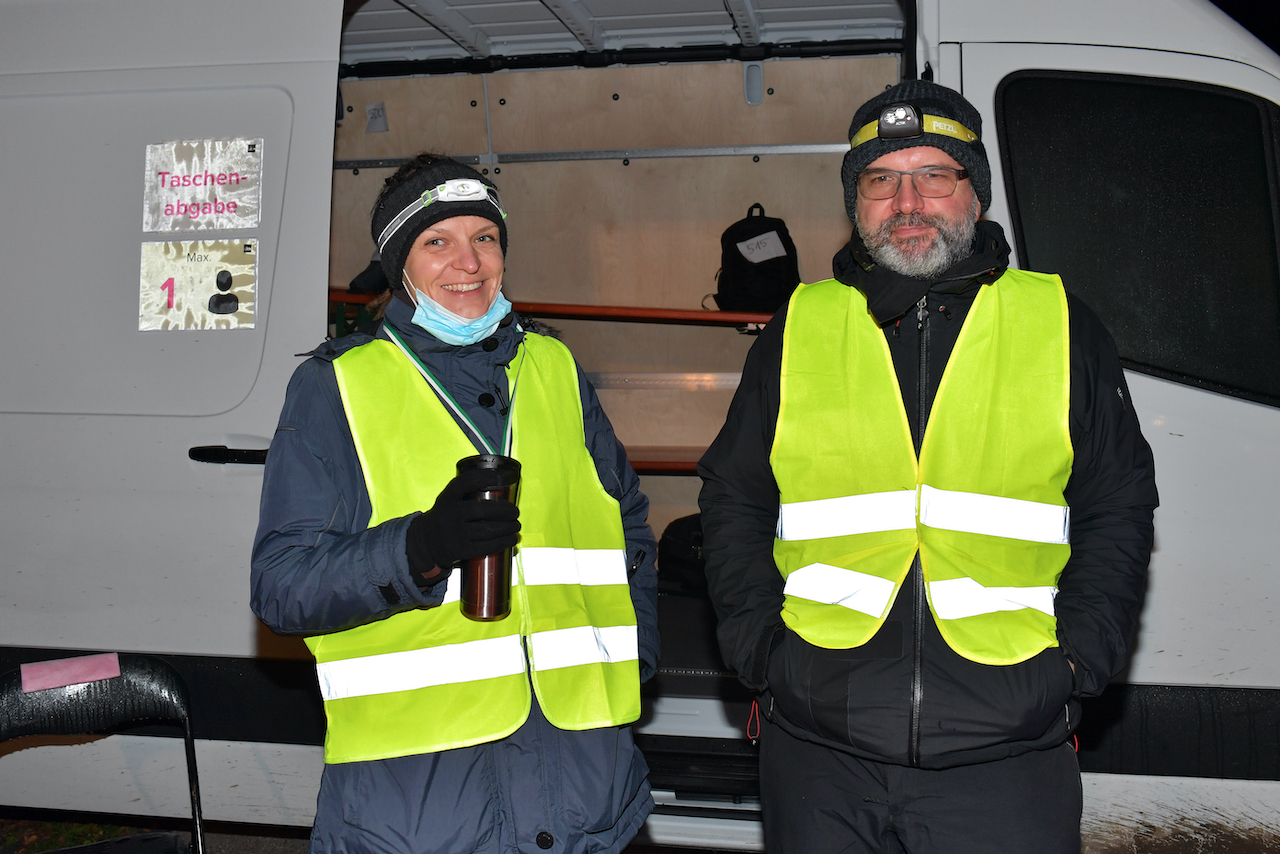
(759, 267)
(370, 280)
(681, 569)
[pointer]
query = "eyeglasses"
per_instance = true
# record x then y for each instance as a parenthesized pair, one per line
(453, 190)
(932, 182)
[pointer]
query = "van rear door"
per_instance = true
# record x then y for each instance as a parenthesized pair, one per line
(114, 538)
(1148, 180)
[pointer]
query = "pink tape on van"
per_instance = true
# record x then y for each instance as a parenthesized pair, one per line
(41, 675)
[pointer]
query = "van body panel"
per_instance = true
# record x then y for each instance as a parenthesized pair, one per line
(1179, 26)
(42, 36)
(114, 538)
(1213, 594)
(91, 232)
(1215, 475)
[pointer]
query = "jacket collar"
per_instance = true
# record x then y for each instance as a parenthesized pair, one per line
(508, 335)
(890, 295)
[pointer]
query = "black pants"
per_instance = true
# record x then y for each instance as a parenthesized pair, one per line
(821, 801)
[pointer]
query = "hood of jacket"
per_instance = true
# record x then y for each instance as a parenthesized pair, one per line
(891, 294)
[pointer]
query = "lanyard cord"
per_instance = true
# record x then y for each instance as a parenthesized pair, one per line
(448, 401)
(511, 403)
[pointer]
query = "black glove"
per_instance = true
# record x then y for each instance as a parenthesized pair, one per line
(459, 526)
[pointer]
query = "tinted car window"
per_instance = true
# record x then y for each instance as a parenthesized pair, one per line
(1156, 202)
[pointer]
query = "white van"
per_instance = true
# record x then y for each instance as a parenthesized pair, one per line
(1135, 150)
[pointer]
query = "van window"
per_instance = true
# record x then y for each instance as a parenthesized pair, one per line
(1156, 202)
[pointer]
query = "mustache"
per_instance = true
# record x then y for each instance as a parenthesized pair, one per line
(915, 219)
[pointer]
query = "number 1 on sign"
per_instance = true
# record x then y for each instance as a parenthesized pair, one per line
(168, 286)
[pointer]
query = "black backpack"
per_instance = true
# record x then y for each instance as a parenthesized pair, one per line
(681, 569)
(759, 267)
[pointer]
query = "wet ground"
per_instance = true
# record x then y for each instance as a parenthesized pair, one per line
(20, 835)
(25, 836)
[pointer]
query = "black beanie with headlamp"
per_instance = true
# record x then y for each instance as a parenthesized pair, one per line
(434, 171)
(945, 120)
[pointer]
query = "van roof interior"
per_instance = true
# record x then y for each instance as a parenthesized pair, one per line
(496, 32)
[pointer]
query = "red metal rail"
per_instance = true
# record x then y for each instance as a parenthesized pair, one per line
(660, 459)
(636, 314)
(347, 296)
(618, 313)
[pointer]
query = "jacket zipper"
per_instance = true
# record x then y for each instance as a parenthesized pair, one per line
(917, 570)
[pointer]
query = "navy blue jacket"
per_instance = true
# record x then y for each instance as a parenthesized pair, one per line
(318, 568)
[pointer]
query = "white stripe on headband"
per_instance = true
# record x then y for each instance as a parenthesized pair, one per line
(453, 190)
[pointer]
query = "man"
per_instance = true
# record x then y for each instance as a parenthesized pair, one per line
(927, 519)
(448, 734)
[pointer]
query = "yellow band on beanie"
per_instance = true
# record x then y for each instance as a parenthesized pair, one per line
(928, 124)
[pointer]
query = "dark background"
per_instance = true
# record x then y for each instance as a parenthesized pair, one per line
(1257, 16)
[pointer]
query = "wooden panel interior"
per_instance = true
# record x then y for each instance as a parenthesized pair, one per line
(647, 233)
(669, 498)
(423, 114)
(659, 417)
(640, 347)
(350, 245)
(599, 232)
(671, 106)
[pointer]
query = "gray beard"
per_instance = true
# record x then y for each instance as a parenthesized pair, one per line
(953, 243)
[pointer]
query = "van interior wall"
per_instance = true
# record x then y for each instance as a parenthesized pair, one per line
(641, 233)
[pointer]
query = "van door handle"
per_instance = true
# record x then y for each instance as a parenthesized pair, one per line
(222, 455)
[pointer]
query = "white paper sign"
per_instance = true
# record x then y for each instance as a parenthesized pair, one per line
(198, 284)
(762, 248)
(202, 185)
(377, 115)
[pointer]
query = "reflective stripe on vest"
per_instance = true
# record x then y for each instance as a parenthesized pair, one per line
(983, 506)
(412, 669)
(847, 515)
(991, 515)
(552, 650)
(472, 661)
(494, 657)
(587, 567)
(949, 510)
(429, 679)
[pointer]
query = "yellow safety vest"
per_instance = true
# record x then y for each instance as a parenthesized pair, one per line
(983, 505)
(430, 679)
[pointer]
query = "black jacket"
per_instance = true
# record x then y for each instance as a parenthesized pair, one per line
(905, 697)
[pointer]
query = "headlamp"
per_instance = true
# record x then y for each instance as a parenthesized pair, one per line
(898, 122)
(903, 121)
(453, 190)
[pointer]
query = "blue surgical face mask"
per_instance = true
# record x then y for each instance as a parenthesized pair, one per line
(454, 328)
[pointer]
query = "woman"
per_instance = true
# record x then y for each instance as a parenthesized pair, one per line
(447, 734)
